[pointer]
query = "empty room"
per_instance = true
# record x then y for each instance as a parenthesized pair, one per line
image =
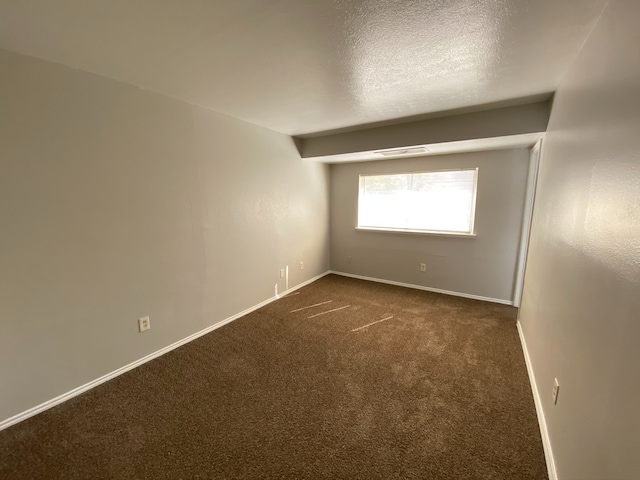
(320, 239)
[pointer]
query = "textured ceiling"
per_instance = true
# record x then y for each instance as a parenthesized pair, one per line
(302, 66)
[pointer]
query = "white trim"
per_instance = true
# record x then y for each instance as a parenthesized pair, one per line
(94, 383)
(416, 232)
(546, 441)
(527, 216)
(428, 289)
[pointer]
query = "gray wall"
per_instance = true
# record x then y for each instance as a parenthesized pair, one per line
(117, 203)
(483, 266)
(496, 122)
(580, 311)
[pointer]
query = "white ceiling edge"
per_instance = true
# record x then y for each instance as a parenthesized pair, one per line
(525, 140)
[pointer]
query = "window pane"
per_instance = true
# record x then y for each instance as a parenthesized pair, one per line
(440, 201)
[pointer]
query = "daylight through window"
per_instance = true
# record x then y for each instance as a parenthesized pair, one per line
(431, 202)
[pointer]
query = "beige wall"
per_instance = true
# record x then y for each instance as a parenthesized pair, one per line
(483, 266)
(117, 203)
(581, 306)
(497, 122)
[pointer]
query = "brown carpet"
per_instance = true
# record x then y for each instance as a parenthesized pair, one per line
(438, 391)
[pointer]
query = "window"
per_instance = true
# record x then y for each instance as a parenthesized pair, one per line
(429, 202)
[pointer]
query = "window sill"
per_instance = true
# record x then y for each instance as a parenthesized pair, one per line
(417, 232)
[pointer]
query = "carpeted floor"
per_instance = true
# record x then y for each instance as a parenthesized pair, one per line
(303, 389)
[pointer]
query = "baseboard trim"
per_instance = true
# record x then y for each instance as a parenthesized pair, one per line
(546, 442)
(94, 383)
(428, 289)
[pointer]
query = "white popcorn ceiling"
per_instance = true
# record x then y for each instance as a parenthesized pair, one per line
(303, 66)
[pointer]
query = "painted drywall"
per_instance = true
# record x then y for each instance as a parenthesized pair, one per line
(497, 122)
(117, 203)
(483, 266)
(580, 312)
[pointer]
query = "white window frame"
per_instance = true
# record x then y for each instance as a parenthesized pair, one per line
(471, 233)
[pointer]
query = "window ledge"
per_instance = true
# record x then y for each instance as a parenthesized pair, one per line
(417, 232)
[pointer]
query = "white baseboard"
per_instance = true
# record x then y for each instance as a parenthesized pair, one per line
(546, 442)
(428, 289)
(94, 383)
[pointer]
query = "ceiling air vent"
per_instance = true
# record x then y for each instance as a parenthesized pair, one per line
(402, 151)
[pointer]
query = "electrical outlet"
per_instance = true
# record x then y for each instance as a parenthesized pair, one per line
(423, 267)
(282, 273)
(555, 391)
(301, 265)
(349, 259)
(144, 323)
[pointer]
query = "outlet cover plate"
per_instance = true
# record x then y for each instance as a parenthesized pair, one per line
(555, 391)
(144, 323)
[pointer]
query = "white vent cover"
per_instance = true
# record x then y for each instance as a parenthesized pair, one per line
(403, 151)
